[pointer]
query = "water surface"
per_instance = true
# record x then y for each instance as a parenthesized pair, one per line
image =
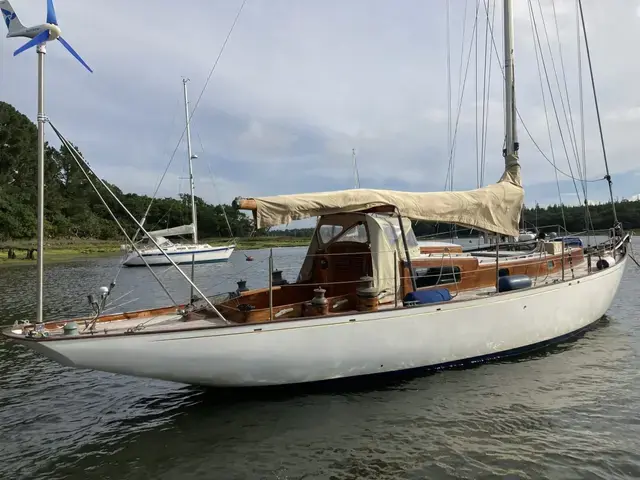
(569, 412)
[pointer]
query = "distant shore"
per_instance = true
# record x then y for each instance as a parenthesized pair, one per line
(65, 250)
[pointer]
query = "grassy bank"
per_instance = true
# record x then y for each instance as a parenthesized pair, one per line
(256, 243)
(58, 250)
(64, 250)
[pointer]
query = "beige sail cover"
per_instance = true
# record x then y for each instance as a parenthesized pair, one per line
(494, 208)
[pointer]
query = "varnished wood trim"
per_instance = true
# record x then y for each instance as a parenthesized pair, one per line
(425, 250)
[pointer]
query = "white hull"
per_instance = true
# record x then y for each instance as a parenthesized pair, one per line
(526, 237)
(200, 255)
(309, 350)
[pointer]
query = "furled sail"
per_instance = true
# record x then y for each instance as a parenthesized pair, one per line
(494, 208)
(170, 232)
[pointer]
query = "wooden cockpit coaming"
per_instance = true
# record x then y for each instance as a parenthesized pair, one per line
(442, 249)
(456, 273)
(469, 273)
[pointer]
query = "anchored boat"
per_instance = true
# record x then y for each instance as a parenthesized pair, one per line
(178, 252)
(360, 306)
(159, 251)
(367, 300)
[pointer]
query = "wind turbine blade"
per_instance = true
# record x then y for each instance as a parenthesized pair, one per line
(51, 13)
(74, 53)
(37, 40)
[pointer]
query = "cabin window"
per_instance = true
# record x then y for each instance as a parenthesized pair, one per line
(329, 232)
(412, 241)
(550, 264)
(431, 276)
(393, 233)
(503, 272)
(357, 233)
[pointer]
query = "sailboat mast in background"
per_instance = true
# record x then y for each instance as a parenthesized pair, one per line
(194, 213)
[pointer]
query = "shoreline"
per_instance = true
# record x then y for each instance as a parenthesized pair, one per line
(68, 250)
(72, 249)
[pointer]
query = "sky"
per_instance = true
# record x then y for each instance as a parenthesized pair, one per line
(302, 83)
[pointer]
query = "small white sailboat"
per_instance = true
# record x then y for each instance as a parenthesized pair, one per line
(367, 300)
(178, 252)
(152, 253)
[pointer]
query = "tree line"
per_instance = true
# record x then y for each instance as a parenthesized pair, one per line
(73, 209)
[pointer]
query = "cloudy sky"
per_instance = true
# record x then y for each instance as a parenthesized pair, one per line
(301, 83)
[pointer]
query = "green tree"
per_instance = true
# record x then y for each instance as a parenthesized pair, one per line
(72, 207)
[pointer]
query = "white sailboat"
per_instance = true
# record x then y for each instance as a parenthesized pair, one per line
(367, 301)
(152, 254)
(179, 252)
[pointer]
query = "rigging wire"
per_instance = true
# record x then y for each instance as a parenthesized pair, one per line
(581, 94)
(462, 88)
(78, 159)
(570, 122)
(176, 110)
(486, 87)
(464, 33)
(566, 109)
(595, 100)
(356, 173)
(546, 116)
(449, 111)
(213, 182)
(560, 171)
(120, 266)
(573, 134)
(195, 107)
(461, 85)
(526, 129)
(589, 219)
(553, 103)
(475, 63)
(461, 99)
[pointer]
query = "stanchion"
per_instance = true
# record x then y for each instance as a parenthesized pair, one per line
(271, 285)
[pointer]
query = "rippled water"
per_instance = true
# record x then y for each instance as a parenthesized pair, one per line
(569, 412)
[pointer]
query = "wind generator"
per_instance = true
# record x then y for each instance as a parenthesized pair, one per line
(39, 35)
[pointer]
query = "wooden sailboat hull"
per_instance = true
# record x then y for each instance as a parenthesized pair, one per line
(316, 349)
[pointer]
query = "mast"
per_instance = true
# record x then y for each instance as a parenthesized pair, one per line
(194, 216)
(356, 177)
(41, 49)
(511, 135)
(194, 213)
